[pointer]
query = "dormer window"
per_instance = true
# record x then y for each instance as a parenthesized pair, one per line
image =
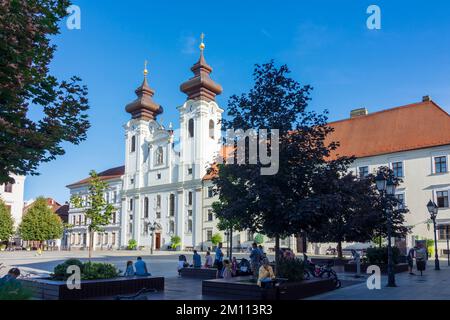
(133, 144)
(191, 128)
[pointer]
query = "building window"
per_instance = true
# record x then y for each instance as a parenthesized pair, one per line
(172, 205)
(114, 218)
(363, 172)
(130, 205)
(146, 205)
(159, 156)
(99, 238)
(158, 215)
(9, 187)
(108, 197)
(250, 236)
(442, 199)
(190, 213)
(397, 167)
(209, 235)
(133, 143)
(172, 227)
(189, 226)
(105, 238)
(191, 128)
(190, 198)
(158, 201)
(443, 232)
(401, 200)
(189, 171)
(113, 240)
(210, 192)
(130, 228)
(158, 176)
(440, 164)
(115, 196)
(210, 215)
(211, 129)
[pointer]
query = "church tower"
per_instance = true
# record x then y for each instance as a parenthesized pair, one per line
(200, 130)
(138, 130)
(200, 118)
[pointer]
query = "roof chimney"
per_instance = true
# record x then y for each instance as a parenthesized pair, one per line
(426, 99)
(359, 112)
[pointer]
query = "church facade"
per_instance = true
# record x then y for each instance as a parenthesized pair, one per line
(161, 186)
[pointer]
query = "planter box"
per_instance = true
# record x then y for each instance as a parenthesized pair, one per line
(46, 289)
(199, 273)
(398, 268)
(240, 288)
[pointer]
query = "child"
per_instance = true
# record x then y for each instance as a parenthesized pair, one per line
(226, 271)
(130, 270)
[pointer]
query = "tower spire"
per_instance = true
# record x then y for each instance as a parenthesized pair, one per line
(201, 86)
(144, 107)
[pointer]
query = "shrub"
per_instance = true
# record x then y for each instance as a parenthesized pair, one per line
(89, 270)
(96, 271)
(60, 271)
(380, 255)
(291, 269)
(175, 242)
(216, 239)
(259, 238)
(132, 244)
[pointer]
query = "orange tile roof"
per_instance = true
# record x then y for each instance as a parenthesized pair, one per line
(225, 152)
(110, 174)
(410, 127)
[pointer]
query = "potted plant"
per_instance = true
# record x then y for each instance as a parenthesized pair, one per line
(175, 243)
(132, 244)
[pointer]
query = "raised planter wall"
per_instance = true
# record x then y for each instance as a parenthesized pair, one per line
(234, 289)
(46, 289)
(199, 273)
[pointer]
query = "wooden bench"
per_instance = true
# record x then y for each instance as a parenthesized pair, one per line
(199, 273)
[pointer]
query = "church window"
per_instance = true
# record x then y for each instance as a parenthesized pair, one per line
(191, 128)
(133, 144)
(211, 129)
(159, 156)
(146, 206)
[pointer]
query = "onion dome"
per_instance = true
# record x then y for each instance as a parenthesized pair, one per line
(144, 107)
(201, 86)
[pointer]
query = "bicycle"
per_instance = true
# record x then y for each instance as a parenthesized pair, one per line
(324, 271)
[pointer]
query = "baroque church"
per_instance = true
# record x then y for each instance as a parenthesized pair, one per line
(163, 190)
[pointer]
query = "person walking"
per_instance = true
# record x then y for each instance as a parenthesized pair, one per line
(421, 258)
(208, 260)
(410, 260)
(197, 260)
(255, 259)
(219, 258)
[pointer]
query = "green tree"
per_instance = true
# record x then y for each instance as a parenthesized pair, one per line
(175, 242)
(6, 222)
(97, 211)
(259, 238)
(274, 205)
(27, 87)
(216, 239)
(40, 223)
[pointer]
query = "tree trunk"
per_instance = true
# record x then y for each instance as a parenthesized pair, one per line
(339, 249)
(91, 243)
(231, 244)
(277, 253)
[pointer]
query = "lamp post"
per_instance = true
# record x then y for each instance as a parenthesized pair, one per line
(433, 210)
(387, 187)
(152, 227)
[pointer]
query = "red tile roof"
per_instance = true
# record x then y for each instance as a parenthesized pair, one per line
(410, 127)
(110, 174)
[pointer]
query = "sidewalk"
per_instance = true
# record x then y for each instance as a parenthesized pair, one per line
(433, 285)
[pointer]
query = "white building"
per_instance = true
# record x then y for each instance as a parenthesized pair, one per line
(12, 194)
(414, 141)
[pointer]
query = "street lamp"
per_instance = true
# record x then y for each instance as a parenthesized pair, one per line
(152, 227)
(387, 187)
(433, 210)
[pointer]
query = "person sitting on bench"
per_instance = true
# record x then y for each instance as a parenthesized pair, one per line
(141, 268)
(266, 275)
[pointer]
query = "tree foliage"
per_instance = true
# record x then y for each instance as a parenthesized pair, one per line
(6, 222)
(97, 210)
(40, 223)
(27, 88)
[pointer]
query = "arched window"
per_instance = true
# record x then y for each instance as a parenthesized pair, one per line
(159, 156)
(191, 128)
(146, 206)
(190, 226)
(211, 129)
(172, 227)
(172, 205)
(133, 143)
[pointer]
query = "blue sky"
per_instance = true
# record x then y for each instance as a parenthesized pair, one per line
(325, 43)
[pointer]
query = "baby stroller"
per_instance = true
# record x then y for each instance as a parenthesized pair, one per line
(243, 268)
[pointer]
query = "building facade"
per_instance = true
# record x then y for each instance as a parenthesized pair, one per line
(12, 194)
